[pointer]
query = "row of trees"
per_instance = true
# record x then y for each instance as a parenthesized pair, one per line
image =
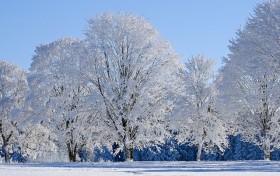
(124, 86)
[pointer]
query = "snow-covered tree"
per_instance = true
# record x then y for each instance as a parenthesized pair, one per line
(58, 96)
(197, 120)
(133, 70)
(13, 88)
(250, 83)
(36, 141)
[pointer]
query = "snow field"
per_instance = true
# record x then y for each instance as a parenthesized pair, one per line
(247, 168)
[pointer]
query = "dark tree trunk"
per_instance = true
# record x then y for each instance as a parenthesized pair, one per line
(6, 140)
(128, 150)
(6, 153)
(72, 152)
(267, 156)
(129, 154)
(72, 156)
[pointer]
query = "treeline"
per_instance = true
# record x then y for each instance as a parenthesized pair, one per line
(122, 93)
(169, 151)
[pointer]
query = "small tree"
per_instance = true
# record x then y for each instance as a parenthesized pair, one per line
(37, 141)
(198, 122)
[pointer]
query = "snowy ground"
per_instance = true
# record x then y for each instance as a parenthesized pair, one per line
(246, 168)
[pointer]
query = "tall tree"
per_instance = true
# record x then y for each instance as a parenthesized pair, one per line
(250, 79)
(133, 70)
(13, 88)
(59, 97)
(197, 121)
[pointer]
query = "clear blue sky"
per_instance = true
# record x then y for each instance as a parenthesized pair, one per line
(191, 26)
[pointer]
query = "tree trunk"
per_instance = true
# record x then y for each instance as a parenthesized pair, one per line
(267, 155)
(129, 154)
(127, 146)
(266, 147)
(72, 156)
(72, 153)
(128, 150)
(5, 143)
(6, 153)
(5, 147)
(199, 151)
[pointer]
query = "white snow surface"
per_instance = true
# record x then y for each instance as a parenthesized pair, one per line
(244, 168)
